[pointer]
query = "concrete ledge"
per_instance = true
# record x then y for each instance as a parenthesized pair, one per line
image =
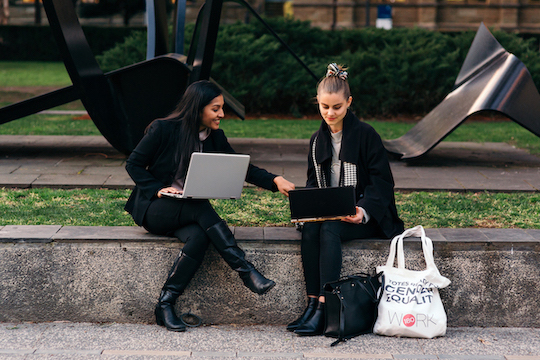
(114, 274)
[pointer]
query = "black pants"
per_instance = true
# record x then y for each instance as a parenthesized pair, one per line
(187, 219)
(321, 250)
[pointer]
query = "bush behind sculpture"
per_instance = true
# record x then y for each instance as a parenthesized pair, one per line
(36, 42)
(398, 71)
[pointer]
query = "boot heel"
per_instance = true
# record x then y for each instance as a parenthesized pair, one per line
(166, 317)
(159, 320)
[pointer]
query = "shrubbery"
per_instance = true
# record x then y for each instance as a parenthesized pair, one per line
(398, 71)
(36, 42)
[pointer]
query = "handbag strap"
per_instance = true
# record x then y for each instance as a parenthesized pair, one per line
(356, 276)
(341, 323)
(381, 289)
(374, 296)
(360, 276)
(342, 305)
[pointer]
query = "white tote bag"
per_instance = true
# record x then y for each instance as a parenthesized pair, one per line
(410, 304)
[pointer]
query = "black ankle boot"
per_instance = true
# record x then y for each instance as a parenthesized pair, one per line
(181, 273)
(311, 307)
(226, 245)
(256, 282)
(314, 325)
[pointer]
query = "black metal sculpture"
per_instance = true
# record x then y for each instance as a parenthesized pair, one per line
(123, 102)
(490, 79)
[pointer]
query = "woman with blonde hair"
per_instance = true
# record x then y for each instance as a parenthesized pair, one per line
(343, 152)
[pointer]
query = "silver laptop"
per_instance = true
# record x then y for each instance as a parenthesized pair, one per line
(214, 176)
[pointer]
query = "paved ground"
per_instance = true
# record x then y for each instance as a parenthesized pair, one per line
(89, 161)
(130, 341)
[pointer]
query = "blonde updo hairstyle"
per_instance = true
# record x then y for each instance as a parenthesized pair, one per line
(335, 81)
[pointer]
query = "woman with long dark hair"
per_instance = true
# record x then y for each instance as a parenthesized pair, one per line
(159, 165)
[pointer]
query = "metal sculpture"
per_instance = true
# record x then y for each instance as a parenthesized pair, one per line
(123, 102)
(490, 79)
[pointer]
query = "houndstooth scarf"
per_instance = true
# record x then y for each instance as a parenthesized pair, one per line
(347, 175)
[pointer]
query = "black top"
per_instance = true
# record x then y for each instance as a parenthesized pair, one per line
(153, 164)
(362, 146)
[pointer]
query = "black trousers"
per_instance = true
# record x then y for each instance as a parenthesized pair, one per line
(187, 219)
(321, 250)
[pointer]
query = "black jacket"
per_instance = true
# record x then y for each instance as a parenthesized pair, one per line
(153, 164)
(362, 146)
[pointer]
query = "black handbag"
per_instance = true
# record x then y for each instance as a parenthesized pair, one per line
(351, 306)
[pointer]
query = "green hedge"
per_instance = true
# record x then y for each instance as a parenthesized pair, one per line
(36, 43)
(398, 71)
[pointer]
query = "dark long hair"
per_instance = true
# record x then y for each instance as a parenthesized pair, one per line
(188, 112)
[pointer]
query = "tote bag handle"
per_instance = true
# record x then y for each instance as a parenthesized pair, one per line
(397, 243)
(427, 247)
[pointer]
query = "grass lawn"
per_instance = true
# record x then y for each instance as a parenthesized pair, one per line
(91, 207)
(493, 131)
(255, 208)
(41, 124)
(482, 131)
(33, 73)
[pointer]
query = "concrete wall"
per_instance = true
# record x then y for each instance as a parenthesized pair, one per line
(114, 274)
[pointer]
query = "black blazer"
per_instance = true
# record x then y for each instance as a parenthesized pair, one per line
(362, 146)
(153, 164)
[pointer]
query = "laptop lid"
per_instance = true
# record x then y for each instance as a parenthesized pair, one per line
(215, 176)
(317, 204)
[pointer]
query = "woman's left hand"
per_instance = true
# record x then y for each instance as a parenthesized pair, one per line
(355, 219)
(283, 185)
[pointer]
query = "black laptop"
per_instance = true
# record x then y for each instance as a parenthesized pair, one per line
(319, 204)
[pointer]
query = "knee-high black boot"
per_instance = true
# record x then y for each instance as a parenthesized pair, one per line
(181, 273)
(225, 244)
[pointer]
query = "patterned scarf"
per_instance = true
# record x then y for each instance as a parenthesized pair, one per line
(347, 176)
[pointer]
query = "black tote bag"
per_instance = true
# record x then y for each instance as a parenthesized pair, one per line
(351, 306)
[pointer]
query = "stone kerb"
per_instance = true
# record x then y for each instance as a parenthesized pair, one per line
(114, 274)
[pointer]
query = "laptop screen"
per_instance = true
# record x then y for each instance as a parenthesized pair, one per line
(313, 204)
